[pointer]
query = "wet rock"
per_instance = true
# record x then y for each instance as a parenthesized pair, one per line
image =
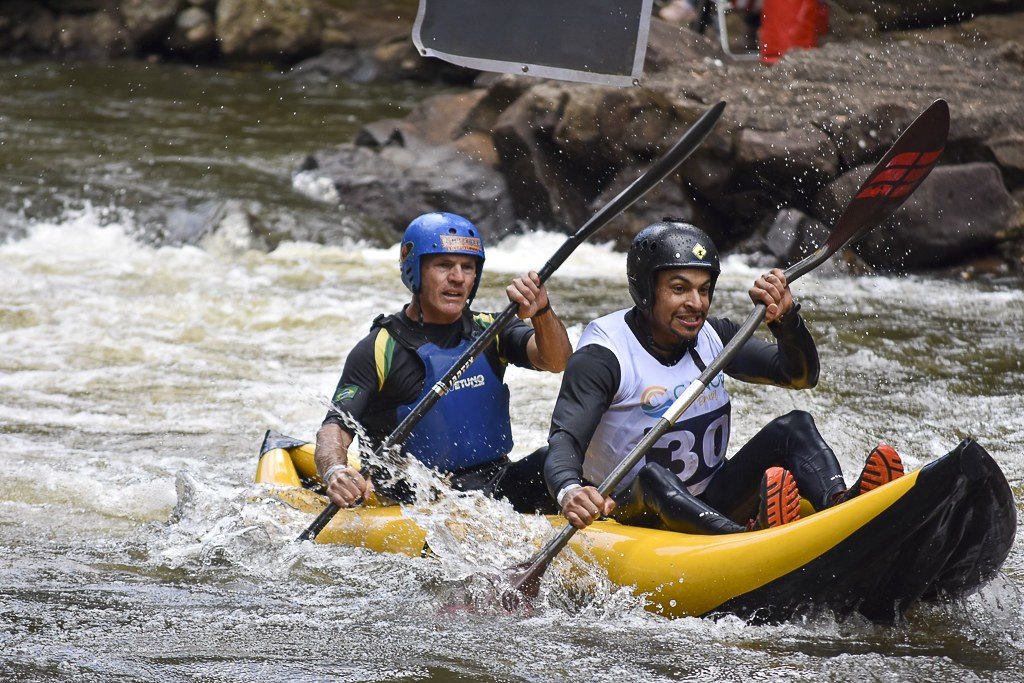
(276, 30)
(669, 45)
(1012, 53)
(1008, 151)
(1011, 245)
(364, 50)
(398, 60)
(906, 13)
(357, 27)
(230, 225)
(189, 225)
(531, 163)
(500, 91)
(635, 123)
(91, 36)
(393, 61)
(710, 172)
(385, 132)
(238, 229)
(148, 21)
(790, 237)
(845, 25)
(444, 118)
(12, 226)
(438, 120)
(578, 130)
(793, 235)
(711, 179)
(77, 6)
(399, 182)
(958, 213)
(560, 145)
(337, 64)
(795, 164)
(194, 33)
(787, 132)
(478, 147)
(868, 135)
(25, 28)
(667, 198)
(785, 234)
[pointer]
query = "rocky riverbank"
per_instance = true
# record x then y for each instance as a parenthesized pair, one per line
(513, 151)
(364, 39)
(794, 143)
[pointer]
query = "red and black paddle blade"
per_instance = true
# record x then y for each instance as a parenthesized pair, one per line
(904, 167)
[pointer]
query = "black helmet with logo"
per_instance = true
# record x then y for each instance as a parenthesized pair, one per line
(669, 243)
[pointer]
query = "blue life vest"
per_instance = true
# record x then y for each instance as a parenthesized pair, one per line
(470, 424)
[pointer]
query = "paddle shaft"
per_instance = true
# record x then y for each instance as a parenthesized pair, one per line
(685, 146)
(893, 180)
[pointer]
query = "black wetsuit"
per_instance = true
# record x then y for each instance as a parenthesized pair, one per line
(372, 392)
(656, 497)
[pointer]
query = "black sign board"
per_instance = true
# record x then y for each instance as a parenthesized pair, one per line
(592, 41)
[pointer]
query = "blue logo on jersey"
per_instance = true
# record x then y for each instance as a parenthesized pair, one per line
(656, 400)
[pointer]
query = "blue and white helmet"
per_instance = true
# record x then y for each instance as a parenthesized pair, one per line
(438, 233)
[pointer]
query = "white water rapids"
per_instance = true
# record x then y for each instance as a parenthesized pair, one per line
(135, 385)
(136, 382)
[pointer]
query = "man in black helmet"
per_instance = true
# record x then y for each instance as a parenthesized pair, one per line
(630, 366)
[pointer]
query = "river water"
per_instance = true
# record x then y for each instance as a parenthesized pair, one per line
(137, 376)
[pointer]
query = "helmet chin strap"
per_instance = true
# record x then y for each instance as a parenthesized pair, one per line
(671, 352)
(419, 308)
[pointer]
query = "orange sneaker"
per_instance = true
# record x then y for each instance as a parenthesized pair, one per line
(780, 499)
(882, 466)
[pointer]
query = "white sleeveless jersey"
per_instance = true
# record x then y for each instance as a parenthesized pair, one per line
(694, 448)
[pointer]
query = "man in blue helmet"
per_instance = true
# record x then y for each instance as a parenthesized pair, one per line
(630, 366)
(467, 434)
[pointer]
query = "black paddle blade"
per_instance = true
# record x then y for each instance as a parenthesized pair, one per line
(524, 584)
(905, 166)
(526, 577)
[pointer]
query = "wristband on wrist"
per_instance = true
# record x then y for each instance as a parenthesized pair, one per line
(331, 471)
(542, 311)
(564, 492)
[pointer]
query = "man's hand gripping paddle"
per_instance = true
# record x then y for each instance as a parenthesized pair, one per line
(897, 175)
(686, 145)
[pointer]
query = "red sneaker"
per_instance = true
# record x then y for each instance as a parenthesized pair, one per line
(780, 499)
(882, 466)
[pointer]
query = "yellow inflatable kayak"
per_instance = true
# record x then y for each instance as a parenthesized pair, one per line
(941, 531)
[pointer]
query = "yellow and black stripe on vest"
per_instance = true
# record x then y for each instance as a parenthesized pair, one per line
(384, 343)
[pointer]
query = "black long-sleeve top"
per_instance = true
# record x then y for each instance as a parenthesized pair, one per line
(592, 377)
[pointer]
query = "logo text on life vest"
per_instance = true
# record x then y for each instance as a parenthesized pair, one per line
(468, 383)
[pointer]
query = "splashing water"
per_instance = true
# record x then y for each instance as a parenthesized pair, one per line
(136, 381)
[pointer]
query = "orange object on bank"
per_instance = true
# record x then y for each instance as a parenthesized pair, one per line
(786, 24)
